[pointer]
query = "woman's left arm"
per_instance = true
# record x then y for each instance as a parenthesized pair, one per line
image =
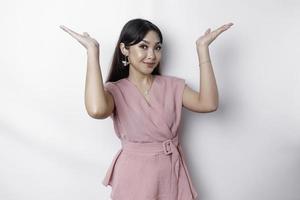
(206, 100)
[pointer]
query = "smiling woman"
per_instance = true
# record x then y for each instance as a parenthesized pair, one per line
(145, 107)
(145, 53)
(146, 116)
(140, 43)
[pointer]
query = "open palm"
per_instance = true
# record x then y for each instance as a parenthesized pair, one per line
(83, 39)
(209, 36)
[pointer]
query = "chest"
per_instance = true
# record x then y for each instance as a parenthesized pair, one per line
(159, 103)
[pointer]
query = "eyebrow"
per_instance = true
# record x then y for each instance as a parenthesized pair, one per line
(149, 42)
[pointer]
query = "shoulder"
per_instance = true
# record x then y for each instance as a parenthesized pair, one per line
(114, 87)
(113, 84)
(174, 84)
(170, 78)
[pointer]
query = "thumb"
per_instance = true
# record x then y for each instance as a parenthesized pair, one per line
(86, 34)
(207, 31)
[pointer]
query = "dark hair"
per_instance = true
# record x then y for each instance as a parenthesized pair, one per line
(132, 33)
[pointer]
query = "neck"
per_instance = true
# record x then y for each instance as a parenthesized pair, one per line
(140, 79)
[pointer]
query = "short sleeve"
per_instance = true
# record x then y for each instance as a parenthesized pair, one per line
(113, 90)
(179, 85)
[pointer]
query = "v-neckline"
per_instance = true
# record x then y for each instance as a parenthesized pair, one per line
(149, 91)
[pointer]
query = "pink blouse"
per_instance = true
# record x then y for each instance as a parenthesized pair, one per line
(151, 164)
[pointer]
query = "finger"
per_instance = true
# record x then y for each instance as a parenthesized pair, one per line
(223, 28)
(207, 31)
(86, 34)
(71, 32)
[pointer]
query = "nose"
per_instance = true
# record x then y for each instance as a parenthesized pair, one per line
(151, 54)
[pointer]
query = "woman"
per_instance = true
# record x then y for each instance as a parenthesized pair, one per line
(146, 108)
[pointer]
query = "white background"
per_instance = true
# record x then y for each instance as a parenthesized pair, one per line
(248, 149)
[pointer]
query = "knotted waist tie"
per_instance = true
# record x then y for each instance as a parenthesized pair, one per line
(168, 147)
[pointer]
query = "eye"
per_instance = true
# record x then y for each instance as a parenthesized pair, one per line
(142, 46)
(158, 47)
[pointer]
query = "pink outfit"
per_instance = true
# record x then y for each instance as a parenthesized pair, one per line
(150, 165)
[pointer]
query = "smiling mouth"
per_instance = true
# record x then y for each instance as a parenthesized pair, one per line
(149, 63)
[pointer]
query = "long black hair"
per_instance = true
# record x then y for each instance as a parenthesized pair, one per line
(132, 33)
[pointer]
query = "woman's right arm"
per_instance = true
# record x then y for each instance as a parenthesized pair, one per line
(98, 102)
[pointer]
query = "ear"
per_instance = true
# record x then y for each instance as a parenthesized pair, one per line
(124, 49)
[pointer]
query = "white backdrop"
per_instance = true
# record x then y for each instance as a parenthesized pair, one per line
(248, 149)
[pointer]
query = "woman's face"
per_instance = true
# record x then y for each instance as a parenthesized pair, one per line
(145, 55)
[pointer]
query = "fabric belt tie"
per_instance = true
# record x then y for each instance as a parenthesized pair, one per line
(166, 147)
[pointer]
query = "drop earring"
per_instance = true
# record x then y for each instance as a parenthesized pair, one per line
(125, 62)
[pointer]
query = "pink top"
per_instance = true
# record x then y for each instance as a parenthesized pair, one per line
(150, 165)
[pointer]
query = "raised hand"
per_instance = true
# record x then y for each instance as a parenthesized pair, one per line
(84, 39)
(208, 36)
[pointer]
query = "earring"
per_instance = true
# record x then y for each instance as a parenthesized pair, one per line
(125, 62)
